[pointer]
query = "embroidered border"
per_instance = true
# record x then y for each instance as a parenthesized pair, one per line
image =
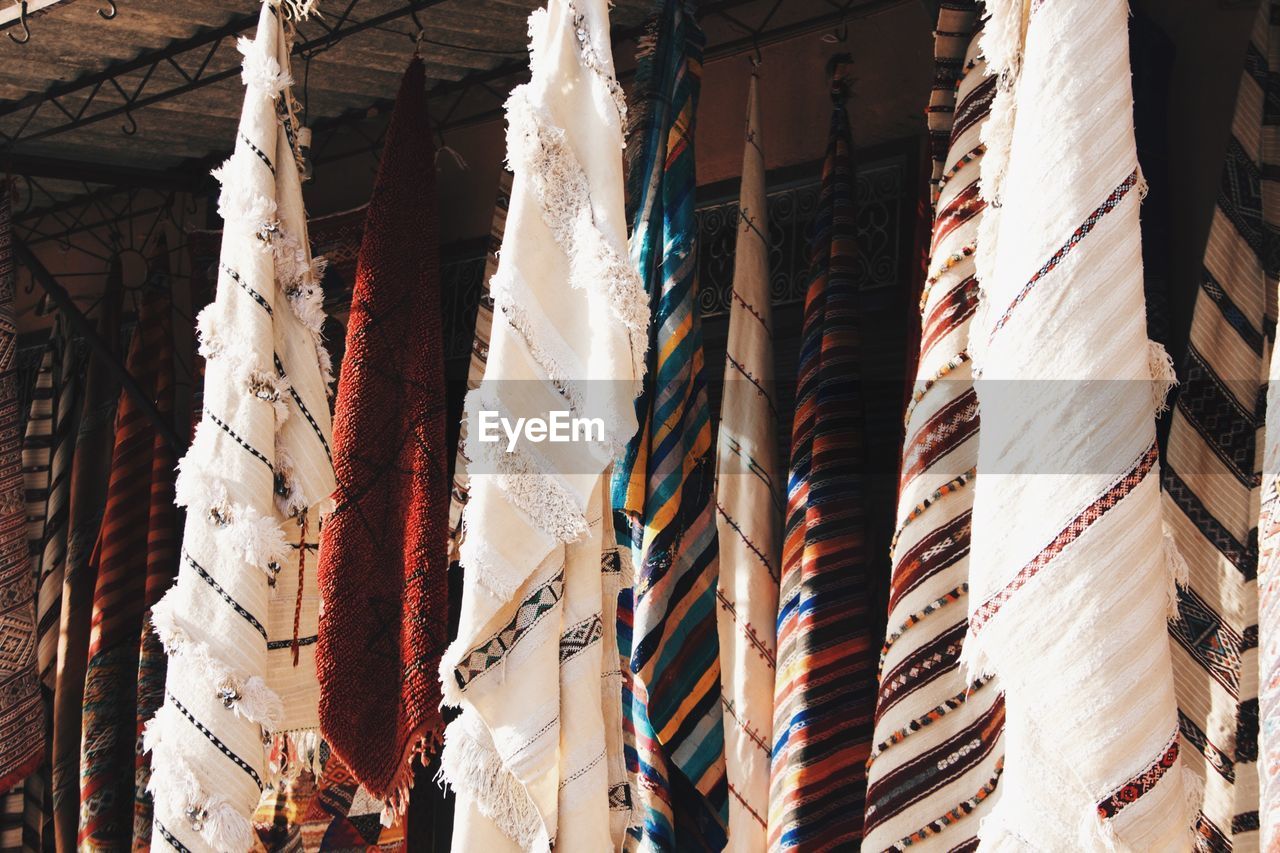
(1094, 511)
(532, 609)
(1132, 790)
(1112, 201)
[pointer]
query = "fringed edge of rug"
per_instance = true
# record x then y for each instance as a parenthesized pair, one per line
(477, 771)
(422, 748)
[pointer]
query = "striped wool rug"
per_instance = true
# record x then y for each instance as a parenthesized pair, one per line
(824, 697)
(47, 449)
(749, 506)
(90, 471)
(239, 626)
(535, 755)
(663, 488)
(1212, 465)
(937, 755)
(138, 539)
(1070, 578)
(22, 720)
(460, 486)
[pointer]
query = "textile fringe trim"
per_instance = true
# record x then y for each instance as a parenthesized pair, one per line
(238, 528)
(539, 150)
(249, 697)
(477, 771)
(542, 340)
(291, 752)
(527, 480)
(421, 751)
(260, 72)
(176, 788)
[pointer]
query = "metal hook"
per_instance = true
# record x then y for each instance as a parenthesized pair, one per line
(132, 127)
(22, 20)
(840, 34)
(419, 36)
(106, 16)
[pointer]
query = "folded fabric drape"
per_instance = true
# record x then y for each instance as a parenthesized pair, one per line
(1211, 474)
(663, 488)
(937, 754)
(90, 471)
(137, 546)
(460, 486)
(535, 756)
(1071, 579)
(240, 708)
(383, 559)
(749, 503)
(22, 717)
(824, 697)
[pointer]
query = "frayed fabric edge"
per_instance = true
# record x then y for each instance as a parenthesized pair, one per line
(176, 790)
(477, 771)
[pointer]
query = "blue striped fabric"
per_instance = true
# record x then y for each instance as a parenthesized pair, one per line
(662, 490)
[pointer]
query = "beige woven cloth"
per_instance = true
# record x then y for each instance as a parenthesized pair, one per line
(1071, 581)
(1213, 460)
(536, 756)
(239, 626)
(749, 506)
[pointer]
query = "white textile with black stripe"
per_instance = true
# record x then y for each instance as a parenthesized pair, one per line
(239, 626)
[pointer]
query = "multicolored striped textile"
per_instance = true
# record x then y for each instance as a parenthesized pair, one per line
(90, 472)
(22, 718)
(824, 697)
(22, 707)
(1070, 578)
(137, 546)
(937, 754)
(162, 567)
(239, 625)
(663, 488)
(1213, 465)
(749, 505)
(460, 488)
(47, 450)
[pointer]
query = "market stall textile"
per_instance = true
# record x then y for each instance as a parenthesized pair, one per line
(535, 756)
(749, 503)
(937, 755)
(824, 697)
(1211, 474)
(137, 543)
(90, 471)
(663, 488)
(1071, 579)
(47, 448)
(383, 561)
(161, 567)
(239, 626)
(22, 713)
(460, 486)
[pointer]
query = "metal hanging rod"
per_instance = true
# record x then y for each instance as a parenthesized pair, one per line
(195, 73)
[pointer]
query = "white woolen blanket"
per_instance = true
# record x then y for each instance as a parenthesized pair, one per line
(1070, 577)
(239, 710)
(535, 756)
